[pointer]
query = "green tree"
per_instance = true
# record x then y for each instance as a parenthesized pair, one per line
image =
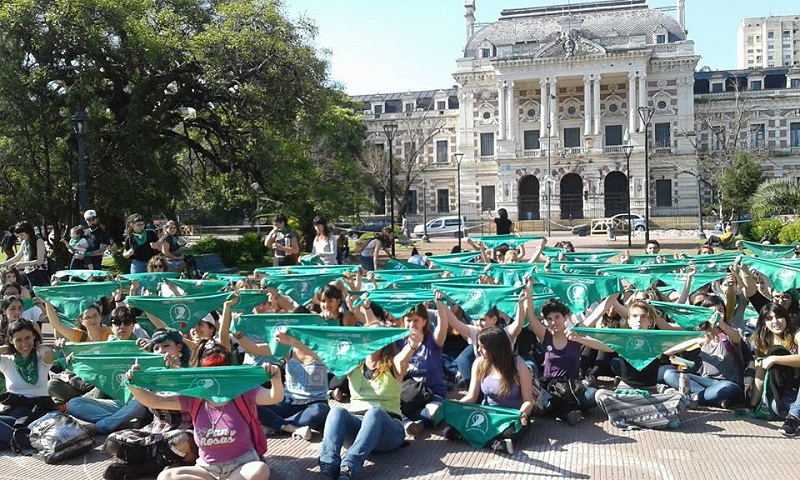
(739, 182)
(776, 197)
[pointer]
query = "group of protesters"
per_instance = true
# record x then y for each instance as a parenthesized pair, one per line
(187, 378)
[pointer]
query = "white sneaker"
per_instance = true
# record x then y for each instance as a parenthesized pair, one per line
(414, 428)
(503, 445)
(302, 433)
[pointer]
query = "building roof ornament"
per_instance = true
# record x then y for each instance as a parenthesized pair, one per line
(569, 44)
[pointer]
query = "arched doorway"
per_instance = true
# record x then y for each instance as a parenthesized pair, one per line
(529, 198)
(571, 196)
(616, 193)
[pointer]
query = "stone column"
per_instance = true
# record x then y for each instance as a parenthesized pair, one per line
(587, 104)
(632, 112)
(512, 115)
(544, 111)
(501, 111)
(553, 106)
(643, 102)
(596, 107)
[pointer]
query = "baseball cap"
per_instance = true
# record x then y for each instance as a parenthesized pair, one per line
(89, 214)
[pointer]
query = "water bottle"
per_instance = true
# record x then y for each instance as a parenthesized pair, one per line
(684, 384)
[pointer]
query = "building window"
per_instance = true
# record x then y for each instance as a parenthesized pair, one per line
(794, 134)
(794, 83)
(487, 198)
(757, 135)
(663, 193)
(613, 135)
(408, 107)
(378, 109)
(443, 200)
(770, 34)
(661, 39)
(409, 149)
(718, 87)
(411, 204)
(441, 151)
(441, 105)
(487, 144)
(380, 147)
(716, 140)
(572, 137)
(755, 84)
(486, 52)
(663, 132)
(530, 140)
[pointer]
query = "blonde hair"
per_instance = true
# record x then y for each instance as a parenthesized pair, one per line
(649, 311)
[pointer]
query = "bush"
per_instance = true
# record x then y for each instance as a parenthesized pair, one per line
(251, 247)
(229, 251)
(790, 233)
(755, 230)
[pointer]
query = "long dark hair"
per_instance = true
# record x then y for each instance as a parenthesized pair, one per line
(26, 227)
(326, 232)
(497, 353)
(763, 338)
(19, 326)
(210, 353)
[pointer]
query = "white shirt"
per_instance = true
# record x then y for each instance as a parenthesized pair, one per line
(325, 249)
(15, 382)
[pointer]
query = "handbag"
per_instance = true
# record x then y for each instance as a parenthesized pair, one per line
(414, 396)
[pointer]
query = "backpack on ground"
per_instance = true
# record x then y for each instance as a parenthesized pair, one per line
(57, 437)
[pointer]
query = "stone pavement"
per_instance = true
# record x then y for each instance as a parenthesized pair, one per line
(711, 444)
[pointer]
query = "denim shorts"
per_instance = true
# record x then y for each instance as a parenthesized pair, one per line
(223, 470)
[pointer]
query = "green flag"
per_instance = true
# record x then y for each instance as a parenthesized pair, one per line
(713, 263)
(599, 256)
(458, 269)
(553, 252)
(398, 302)
(265, 326)
(107, 372)
(650, 258)
(250, 299)
(72, 299)
(149, 280)
(82, 274)
(215, 384)
(511, 274)
(782, 276)
(678, 280)
(589, 268)
(578, 292)
(200, 287)
(311, 260)
(227, 277)
(343, 348)
(513, 241)
(394, 264)
(393, 276)
(300, 287)
(102, 348)
(687, 316)
(181, 313)
(415, 284)
(642, 276)
(456, 257)
(638, 347)
(478, 424)
(478, 299)
(769, 251)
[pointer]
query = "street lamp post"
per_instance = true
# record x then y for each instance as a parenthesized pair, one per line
(548, 182)
(79, 122)
(646, 114)
(390, 130)
(425, 211)
(459, 156)
(257, 221)
(627, 148)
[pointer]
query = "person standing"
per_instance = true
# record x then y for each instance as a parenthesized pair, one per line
(32, 255)
(325, 244)
(140, 244)
(98, 241)
(284, 241)
(503, 225)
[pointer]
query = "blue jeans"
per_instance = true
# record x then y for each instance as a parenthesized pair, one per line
(107, 414)
(708, 390)
(464, 362)
(423, 414)
(7, 421)
(376, 431)
(138, 266)
(312, 415)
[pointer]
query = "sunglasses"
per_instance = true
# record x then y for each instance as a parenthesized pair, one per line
(124, 322)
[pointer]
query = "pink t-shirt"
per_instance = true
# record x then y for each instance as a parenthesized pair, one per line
(221, 433)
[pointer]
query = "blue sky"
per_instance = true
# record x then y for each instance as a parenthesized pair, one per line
(383, 46)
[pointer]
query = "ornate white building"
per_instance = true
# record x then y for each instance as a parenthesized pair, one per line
(544, 102)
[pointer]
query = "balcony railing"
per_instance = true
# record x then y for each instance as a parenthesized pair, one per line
(662, 151)
(787, 151)
(573, 150)
(486, 158)
(614, 149)
(534, 153)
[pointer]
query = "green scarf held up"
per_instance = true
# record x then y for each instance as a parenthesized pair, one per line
(343, 348)
(478, 424)
(71, 299)
(600, 256)
(311, 260)
(642, 276)
(687, 316)
(477, 300)
(416, 284)
(588, 268)
(115, 347)
(773, 252)
(513, 241)
(651, 258)
(321, 269)
(638, 347)
(82, 274)
(214, 384)
(783, 276)
(553, 252)
(718, 262)
(107, 372)
(678, 280)
(28, 367)
(464, 257)
(250, 299)
(398, 302)
(393, 276)
(149, 280)
(226, 277)
(458, 269)
(394, 264)
(300, 287)
(181, 313)
(578, 292)
(510, 274)
(267, 325)
(200, 287)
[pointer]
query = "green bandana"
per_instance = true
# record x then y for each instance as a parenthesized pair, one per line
(638, 347)
(82, 274)
(322, 269)
(393, 276)
(460, 269)
(769, 251)
(266, 326)
(513, 241)
(601, 256)
(72, 299)
(687, 316)
(215, 384)
(456, 257)
(650, 258)
(642, 276)
(416, 284)
(121, 347)
(510, 274)
(678, 280)
(589, 268)
(394, 264)
(227, 278)
(398, 302)
(200, 287)
(311, 260)
(782, 276)
(713, 263)
(478, 424)
(250, 299)
(107, 372)
(180, 313)
(343, 348)
(149, 280)
(477, 300)
(578, 292)
(553, 252)
(301, 287)
(28, 367)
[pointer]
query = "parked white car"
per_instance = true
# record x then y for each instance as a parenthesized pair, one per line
(442, 226)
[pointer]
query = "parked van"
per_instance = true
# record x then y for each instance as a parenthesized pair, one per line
(442, 226)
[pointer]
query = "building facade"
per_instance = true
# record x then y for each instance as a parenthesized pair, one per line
(546, 100)
(767, 42)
